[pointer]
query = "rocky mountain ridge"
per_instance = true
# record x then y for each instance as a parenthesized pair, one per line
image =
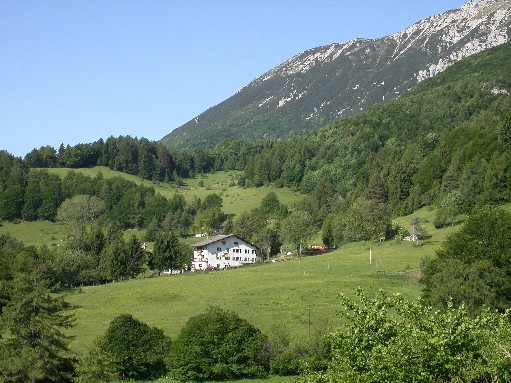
(325, 83)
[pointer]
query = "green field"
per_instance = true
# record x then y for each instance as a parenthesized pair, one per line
(273, 295)
(35, 233)
(267, 295)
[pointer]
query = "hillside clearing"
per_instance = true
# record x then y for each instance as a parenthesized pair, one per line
(271, 295)
(235, 199)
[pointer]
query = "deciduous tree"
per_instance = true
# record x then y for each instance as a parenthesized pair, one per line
(474, 264)
(129, 350)
(79, 211)
(389, 339)
(297, 229)
(219, 345)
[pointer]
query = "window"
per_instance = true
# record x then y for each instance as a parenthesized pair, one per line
(236, 243)
(218, 249)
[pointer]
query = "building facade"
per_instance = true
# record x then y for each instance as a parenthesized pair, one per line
(223, 252)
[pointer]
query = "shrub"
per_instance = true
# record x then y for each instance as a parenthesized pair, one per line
(219, 345)
(129, 350)
(389, 339)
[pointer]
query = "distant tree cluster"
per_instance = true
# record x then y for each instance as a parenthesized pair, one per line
(32, 194)
(141, 157)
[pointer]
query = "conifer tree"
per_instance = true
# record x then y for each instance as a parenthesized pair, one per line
(33, 347)
(167, 253)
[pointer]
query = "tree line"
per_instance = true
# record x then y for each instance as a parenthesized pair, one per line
(140, 157)
(444, 143)
(36, 194)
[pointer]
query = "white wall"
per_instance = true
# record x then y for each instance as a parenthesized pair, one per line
(229, 252)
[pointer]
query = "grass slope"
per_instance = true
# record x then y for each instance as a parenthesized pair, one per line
(236, 200)
(268, 295)
(35, 233)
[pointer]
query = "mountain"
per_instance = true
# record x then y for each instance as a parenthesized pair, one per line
(326, 83)
(446, 142)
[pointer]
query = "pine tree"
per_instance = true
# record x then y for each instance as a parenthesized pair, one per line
(34, 347)
(135, 257)
(167, 252)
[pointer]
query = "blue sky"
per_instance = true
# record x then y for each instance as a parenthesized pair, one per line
(75, 71)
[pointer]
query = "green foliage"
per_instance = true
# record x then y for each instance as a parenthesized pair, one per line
(248, 224)
(73, 267)
(212, 201)
(365, 220)
(267, 239)
(474, 265)
(297, 228)
(167, 253)
(129, 350)
(219, 345)
(449, 209)
(271, 207)
(11, 202)
(389, 339)
(140, 157)
(208, 220)
(78, 212)
(33, 343)
(327, 232)
(291, 358)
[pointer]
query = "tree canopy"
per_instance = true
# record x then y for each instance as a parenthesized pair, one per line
(473, 266)
(129, 349)
(389, 339)
(33, 344)
(219, 345)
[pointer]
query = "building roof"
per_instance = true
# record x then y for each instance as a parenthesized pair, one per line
(216, 238)
(219, 238)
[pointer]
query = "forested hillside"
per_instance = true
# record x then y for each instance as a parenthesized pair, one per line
(446, 142)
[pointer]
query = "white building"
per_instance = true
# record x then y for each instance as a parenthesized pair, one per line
(223, 251)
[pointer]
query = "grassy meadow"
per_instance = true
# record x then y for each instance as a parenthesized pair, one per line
(271, 295)
(299, 296)
(235, 199)
(36, 233)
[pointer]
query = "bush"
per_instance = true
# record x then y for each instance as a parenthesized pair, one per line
(218, 345)
(389, 339)
(129, 350)
(288, 359)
